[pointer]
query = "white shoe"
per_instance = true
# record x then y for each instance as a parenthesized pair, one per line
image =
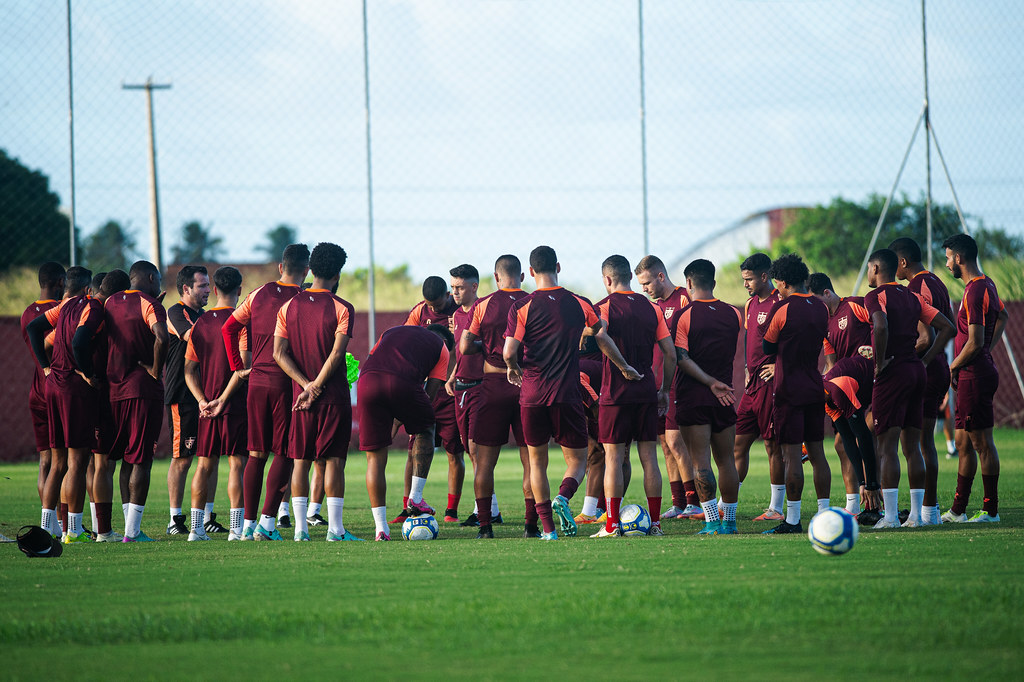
(194, 536)
(883, 524)
(656, 529)
(672, 512)
(605, 533)
(232, 536)
(112, 536)
(983, 517)
(911, 522)
(950, 517)
(691, 510)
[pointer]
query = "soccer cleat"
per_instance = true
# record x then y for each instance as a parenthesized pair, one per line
(728, 528)
(952, 517)
(472, 521)
(234, 537)
(983, 517)
(673, 512)
(868, 517)
(89, 532)
(560, 506)
(72, 538)
(212, 526)
(605, 533)
(382, 537)
(549, 536)
(402, 516)
(346, 537)
(785, 529)
(420, 508)
(301, 537)
(177, 525)
(496, 518)
(770, 514)
(284, 521)
(141, 537)
(194, 536)
(582, 518)
(656, 529)
(486, 532)
(260, 533)
(316, 520)
(602, 518)
(711, 528)
(912, 523)
(903, 515)
(247, 534)
(451, 516)
(884, 525)
(531, 531)
(112, 536)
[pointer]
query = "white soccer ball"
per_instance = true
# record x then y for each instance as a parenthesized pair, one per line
(634, 520)
(833, 531)
(422, 527)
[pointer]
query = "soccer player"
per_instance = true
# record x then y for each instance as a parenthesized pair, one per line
(548, 325)
(897, 401)
(497, 410)
(51, 289)
(794, 331)
(310, 341)
(630, 410)
(754, 413)
(653, 278)
(437, 307)
(848, 385)
(220, 396)
(707, 332)
(268, 401)
(931, 289)
(182, 411)
(137, 345)
(979, 326)
(391, 391)
(71, 399)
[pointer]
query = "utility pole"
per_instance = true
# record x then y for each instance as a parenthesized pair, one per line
(154, 200)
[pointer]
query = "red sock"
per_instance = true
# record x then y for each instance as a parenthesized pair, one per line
(103, 510)
(569, 487)
(483, 513)
(691, 493)
(277, 480)
(531, 512)
(453, 503)
(544, 512)
(963, 493)
(991, 486)
(252, 486)
(654, 507)
(613, 513)
(678, 494)
(405, 502)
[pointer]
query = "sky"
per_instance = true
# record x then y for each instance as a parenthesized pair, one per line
(498, 125)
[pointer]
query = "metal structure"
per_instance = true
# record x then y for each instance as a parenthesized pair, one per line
(154, 194)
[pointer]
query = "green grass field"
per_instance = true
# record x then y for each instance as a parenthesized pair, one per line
(940, 602)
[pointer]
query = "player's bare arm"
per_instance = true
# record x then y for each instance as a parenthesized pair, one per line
(668, 353)
(767, 371)
(432, 387)
(945, 331)
(997, 333)
(880, 340)
(608, 347)
(510, 353)
(156, 370)
(284, 360)
(193, 379)
(216, 407)
(470, 343)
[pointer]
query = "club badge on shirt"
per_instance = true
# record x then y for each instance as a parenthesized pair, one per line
(843, 321)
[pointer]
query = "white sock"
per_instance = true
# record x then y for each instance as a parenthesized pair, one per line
(314, 509)
(890, 502)
(494, 505)
(301, 525)
(824, 503)
(49, 521)
(92, 510)
(236, 519)
(853, 503)
(335, 519)
(283, 509)
(730, 511)
(778, 498)
(416, 490)
(916, 502)
(133, 522)
(476, 508)
(268, 523)
(793, 512)
(208, 512)
(175, 511)
(589, 506)
(710, 511)
(198, 519)
(247, 524)
(938, 514)
(75, 524)
(124, 510)
(380, 519)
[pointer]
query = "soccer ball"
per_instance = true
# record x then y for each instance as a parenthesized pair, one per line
(833, 531)
(422, 527)
(634, 520)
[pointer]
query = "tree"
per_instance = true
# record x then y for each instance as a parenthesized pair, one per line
(32, 228)
(111, 246)
(197, 245)
(277, 239)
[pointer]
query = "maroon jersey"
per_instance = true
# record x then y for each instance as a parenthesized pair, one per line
(849, 330)
(903, 309)
(258, 313)
(311, 321)
(410, 352)
(797, 324)
(848, 385)
(708, 330)
(130, 318)
(981, 305)
(755, 315)
(34, 310)
(636, 325)
(67, 318)
(422, 314)
(929, 287)
(205, 345)
(490, 320)
(670, 307)
(549, 323)
(467, 367)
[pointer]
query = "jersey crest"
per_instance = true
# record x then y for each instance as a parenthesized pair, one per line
(843, 322)
(669, 311)
(761, 317)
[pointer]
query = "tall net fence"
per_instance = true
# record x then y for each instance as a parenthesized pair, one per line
(494, 126)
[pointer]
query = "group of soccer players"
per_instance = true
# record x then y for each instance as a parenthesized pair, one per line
(269, 376)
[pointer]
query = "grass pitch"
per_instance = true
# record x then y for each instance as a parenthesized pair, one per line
(938, 602)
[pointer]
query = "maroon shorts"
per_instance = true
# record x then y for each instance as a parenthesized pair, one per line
(72, 411)
(138, 422)
(565, 422)
(754, 413)
(467, 403)
(383, 398)
(718, 416)
(183, 423)
(269, 404)
(105, 428)
(321, 432)
(625, 423)
(446, 427)
(40, 422)
(497, 412)
(224, 435)
(897, 399)
(792, 424)
(974, 401)
(668, 422)
(936, 386)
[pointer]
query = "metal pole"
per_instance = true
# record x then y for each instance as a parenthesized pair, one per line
(154, 196)
(643, 124)
(927, 139)
(372, 325)
(72, 245)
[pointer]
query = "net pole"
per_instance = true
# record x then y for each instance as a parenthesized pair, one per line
(370, 281)
(927, 139)
(72, 246)
(643, 125)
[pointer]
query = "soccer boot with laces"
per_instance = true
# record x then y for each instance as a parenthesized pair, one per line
(983, 517)
(112, 536)
(952, 517)
(141, 537)
(247, 534)
(693, 512)
(605, 533)
(770, 515)
(656, 529)
(496, 518)
(549, 536)
(235, 537)
(531, 531)
(212, 526)
(316, 520)
(472, 521)
(345, 537)
(560, 507)
(672, 512)
(382, 537)
(420, 508)
(260, 533)
(711, 528)
(451, 516)
(72, 538)
(402, 516)
(785, 529)
(177, 526)
(194, 536)
(284, 521)
(302, 537)
(582, 519)
(486, 533)
(728, 528)
(884, 524)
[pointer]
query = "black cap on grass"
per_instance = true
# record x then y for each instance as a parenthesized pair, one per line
(36, 542)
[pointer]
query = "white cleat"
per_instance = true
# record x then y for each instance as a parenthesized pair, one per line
(911, 522)
(656, 530)
(233, 536)
(672, 513)
(983, 517)
(883, 524)
(951, 517)
(605, 533)
(194, 536)
(112, 536)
